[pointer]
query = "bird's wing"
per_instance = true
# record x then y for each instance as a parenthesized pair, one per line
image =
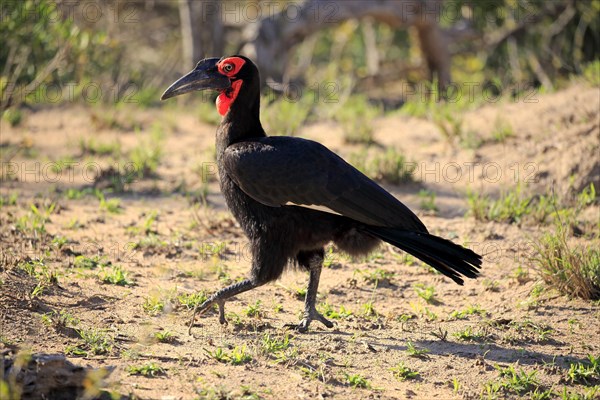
(278, 171)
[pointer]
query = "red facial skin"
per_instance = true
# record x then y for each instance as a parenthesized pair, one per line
(229, 67)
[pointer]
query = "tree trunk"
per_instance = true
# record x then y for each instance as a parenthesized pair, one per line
(277, 34)
(191, 37)
(201, 30)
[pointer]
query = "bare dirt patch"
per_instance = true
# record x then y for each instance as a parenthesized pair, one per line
(171, 237)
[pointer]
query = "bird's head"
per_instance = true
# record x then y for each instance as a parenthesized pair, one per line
(232, 76)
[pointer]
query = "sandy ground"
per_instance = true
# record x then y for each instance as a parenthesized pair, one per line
(194, 246)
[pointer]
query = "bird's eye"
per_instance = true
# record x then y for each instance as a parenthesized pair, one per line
(228, 67)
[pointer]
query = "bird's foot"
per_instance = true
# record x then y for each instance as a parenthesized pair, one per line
(302, 327)
(202, 308)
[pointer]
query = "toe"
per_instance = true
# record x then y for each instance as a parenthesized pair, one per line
(301, 327)
(326, 322)
(204, 307)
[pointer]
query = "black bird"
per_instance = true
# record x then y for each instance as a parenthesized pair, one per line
(292, 196)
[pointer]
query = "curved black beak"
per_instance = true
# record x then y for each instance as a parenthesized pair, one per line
(204, 76)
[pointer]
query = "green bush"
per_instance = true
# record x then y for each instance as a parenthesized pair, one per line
(390, 166)
(43, 50)
(356, 117)
(285, 115)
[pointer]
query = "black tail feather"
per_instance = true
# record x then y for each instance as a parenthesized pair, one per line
(450, 259)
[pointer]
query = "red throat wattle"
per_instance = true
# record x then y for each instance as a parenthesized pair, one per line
(227, 97)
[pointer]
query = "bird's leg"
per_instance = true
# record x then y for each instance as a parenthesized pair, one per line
(310, 306)
(219, 299)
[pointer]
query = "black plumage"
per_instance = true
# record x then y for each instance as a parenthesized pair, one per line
(292, 196)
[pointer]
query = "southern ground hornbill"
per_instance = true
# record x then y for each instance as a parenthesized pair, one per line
(292, 196)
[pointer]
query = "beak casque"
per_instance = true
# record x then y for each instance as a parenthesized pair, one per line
(204, 76)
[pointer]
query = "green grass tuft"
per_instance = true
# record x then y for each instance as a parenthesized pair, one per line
(402, 372)
(116, 276)
(237, 356)
(148, 370)
(357, 381)
(414, 351)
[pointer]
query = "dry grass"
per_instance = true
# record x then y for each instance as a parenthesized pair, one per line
(574, 271)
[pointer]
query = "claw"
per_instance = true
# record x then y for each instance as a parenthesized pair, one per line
(303, 325)
(325, 321)
(221, 296)
(202, 308)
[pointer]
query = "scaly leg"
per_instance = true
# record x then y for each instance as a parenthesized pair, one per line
(310, 306)
(220, 297)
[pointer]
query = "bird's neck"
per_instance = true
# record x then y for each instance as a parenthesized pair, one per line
(241, 123)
